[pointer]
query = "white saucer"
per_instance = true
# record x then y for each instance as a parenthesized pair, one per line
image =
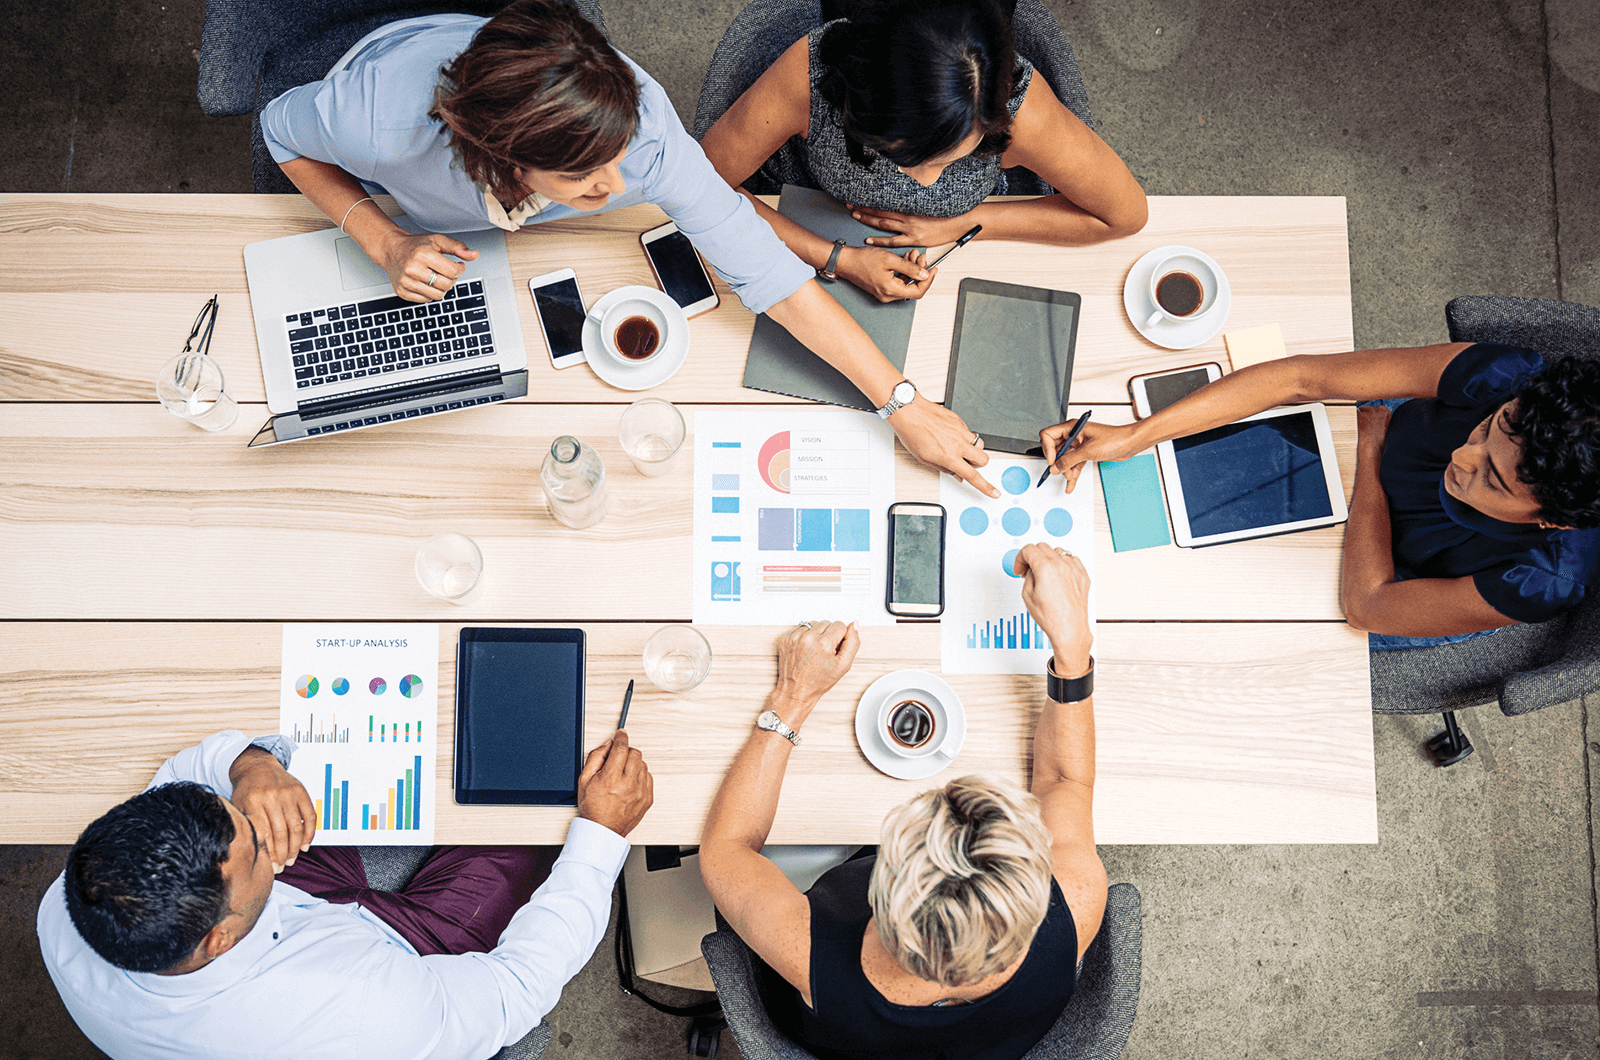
(637, 375)
(876, 747)
(1173, 334)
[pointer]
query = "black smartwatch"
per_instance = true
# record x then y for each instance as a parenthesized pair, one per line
(1069, 689)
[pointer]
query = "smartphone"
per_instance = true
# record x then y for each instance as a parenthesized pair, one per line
(1156, 390)
(916, 560)
(559, 306)
(679, 270)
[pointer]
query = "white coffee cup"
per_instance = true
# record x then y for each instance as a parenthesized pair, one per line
(1195, 267)
(614, 317)
(941, 724)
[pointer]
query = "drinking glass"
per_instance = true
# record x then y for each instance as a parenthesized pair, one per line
(651, 433)
(450, 566)
(191, 386)
(676, 658)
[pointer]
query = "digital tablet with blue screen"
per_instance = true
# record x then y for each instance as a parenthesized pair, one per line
(1272, 473)
(519, 716)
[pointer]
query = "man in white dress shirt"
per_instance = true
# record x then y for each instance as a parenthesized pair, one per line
(169, 935)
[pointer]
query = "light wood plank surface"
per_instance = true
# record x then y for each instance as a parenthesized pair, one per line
(1208, 733)
(114, 280)
(124, 511)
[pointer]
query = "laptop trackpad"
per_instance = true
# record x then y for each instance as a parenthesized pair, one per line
(355, 268)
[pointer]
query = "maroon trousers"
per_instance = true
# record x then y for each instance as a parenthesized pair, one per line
(460, 900)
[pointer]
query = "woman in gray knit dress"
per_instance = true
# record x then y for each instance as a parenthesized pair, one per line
(909, 113)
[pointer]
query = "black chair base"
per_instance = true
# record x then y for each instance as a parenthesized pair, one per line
(705, 1034)
(1451, 746)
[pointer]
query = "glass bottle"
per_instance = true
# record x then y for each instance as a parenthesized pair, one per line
(574, 480)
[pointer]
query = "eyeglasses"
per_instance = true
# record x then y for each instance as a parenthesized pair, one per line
(207, 320)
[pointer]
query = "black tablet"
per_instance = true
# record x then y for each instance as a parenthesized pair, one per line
(519, 716)
(1011, 361)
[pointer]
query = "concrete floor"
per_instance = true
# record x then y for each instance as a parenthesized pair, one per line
(1463, 133)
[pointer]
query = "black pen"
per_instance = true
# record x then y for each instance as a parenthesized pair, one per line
(627, 697)
(1077, 429)
(963, 241)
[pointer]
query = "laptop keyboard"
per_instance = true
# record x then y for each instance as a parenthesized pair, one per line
(337, 344)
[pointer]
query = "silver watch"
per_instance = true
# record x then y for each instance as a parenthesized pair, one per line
(899, 398)
(769, 720)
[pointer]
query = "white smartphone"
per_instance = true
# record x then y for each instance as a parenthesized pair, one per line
(559, 307)
(679, 270)
(1154, 391)
(916, 560)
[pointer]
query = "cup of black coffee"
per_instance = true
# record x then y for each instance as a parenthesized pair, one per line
(633, 330)
(1182, 287)
(913, 724)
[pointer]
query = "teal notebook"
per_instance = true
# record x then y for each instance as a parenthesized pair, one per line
(1135, 505)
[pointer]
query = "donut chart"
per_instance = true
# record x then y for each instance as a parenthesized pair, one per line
(305, 686)
(773, 461)
(411, 686)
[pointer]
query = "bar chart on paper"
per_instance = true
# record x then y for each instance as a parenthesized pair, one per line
(985, 629)
(359, 702)
(789, 515)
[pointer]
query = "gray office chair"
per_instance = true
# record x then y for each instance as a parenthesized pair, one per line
(1522, 668)
(761, 32)
(1094, 1026)
(391, 868)
(252, 51)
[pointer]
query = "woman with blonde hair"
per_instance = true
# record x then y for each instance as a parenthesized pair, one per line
(961, 936)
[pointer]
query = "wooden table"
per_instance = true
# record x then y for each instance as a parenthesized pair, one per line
(148, 565)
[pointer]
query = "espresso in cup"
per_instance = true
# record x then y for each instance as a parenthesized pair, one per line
(637, 338)
(1179, 293)
(910, 724)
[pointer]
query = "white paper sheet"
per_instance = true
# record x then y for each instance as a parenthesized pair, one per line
(362, 702)
(790, 516)
(985, 629)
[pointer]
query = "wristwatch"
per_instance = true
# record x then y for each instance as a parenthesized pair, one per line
(829, 271)
(899, 398)
(769, 720)
(1069, 689)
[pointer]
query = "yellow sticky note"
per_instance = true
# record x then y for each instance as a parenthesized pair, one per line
(1254, 345)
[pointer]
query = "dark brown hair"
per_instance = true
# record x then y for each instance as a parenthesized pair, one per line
(539, 87)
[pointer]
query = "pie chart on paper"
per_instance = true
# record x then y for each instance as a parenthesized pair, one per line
(305, 686)
(411, 686)
(773, 461)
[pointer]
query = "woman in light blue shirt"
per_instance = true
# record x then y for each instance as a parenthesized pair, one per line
(532, 117)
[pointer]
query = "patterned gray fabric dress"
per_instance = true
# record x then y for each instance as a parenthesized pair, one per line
(822, 160)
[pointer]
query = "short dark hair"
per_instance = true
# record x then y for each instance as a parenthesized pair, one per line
(144, 882)
(912, 79)
(539, 87)
(1557, 420)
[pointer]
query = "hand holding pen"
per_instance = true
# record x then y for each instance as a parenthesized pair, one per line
(1077, 429)
(966, 238)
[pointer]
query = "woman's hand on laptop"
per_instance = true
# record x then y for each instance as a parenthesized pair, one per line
(418, 267)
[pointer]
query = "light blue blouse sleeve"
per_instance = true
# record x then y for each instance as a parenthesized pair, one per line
(743, 248)
(333, 121)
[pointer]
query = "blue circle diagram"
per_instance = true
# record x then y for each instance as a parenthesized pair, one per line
(1057, 522)
(1015, 522)
(340, 686)
(974, 521)
(1014, 480)
(1009, 561)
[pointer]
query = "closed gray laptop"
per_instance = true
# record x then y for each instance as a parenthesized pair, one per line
(339, 351)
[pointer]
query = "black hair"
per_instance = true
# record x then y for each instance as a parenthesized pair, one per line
(912, 79)
(144, 882)
(1557, 420)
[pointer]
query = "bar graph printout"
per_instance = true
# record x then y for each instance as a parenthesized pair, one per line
(361, 701)
(791, 516)
(985, 629)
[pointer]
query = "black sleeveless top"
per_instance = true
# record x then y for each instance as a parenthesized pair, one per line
(852, 1020)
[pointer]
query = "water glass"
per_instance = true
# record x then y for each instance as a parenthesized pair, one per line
(651, 432)
(191, 387)
(676, 658)
(450, 566)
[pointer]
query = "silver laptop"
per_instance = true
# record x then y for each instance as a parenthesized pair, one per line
(339, 352)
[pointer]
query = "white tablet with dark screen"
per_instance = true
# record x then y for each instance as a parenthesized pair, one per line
(1272, 473)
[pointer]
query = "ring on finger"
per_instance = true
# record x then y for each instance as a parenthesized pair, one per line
(432, 277)
(804, 623)
(975, 438)
(1062, 552)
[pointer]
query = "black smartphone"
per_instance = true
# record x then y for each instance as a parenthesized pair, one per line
(679, 270)
(916, 560)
